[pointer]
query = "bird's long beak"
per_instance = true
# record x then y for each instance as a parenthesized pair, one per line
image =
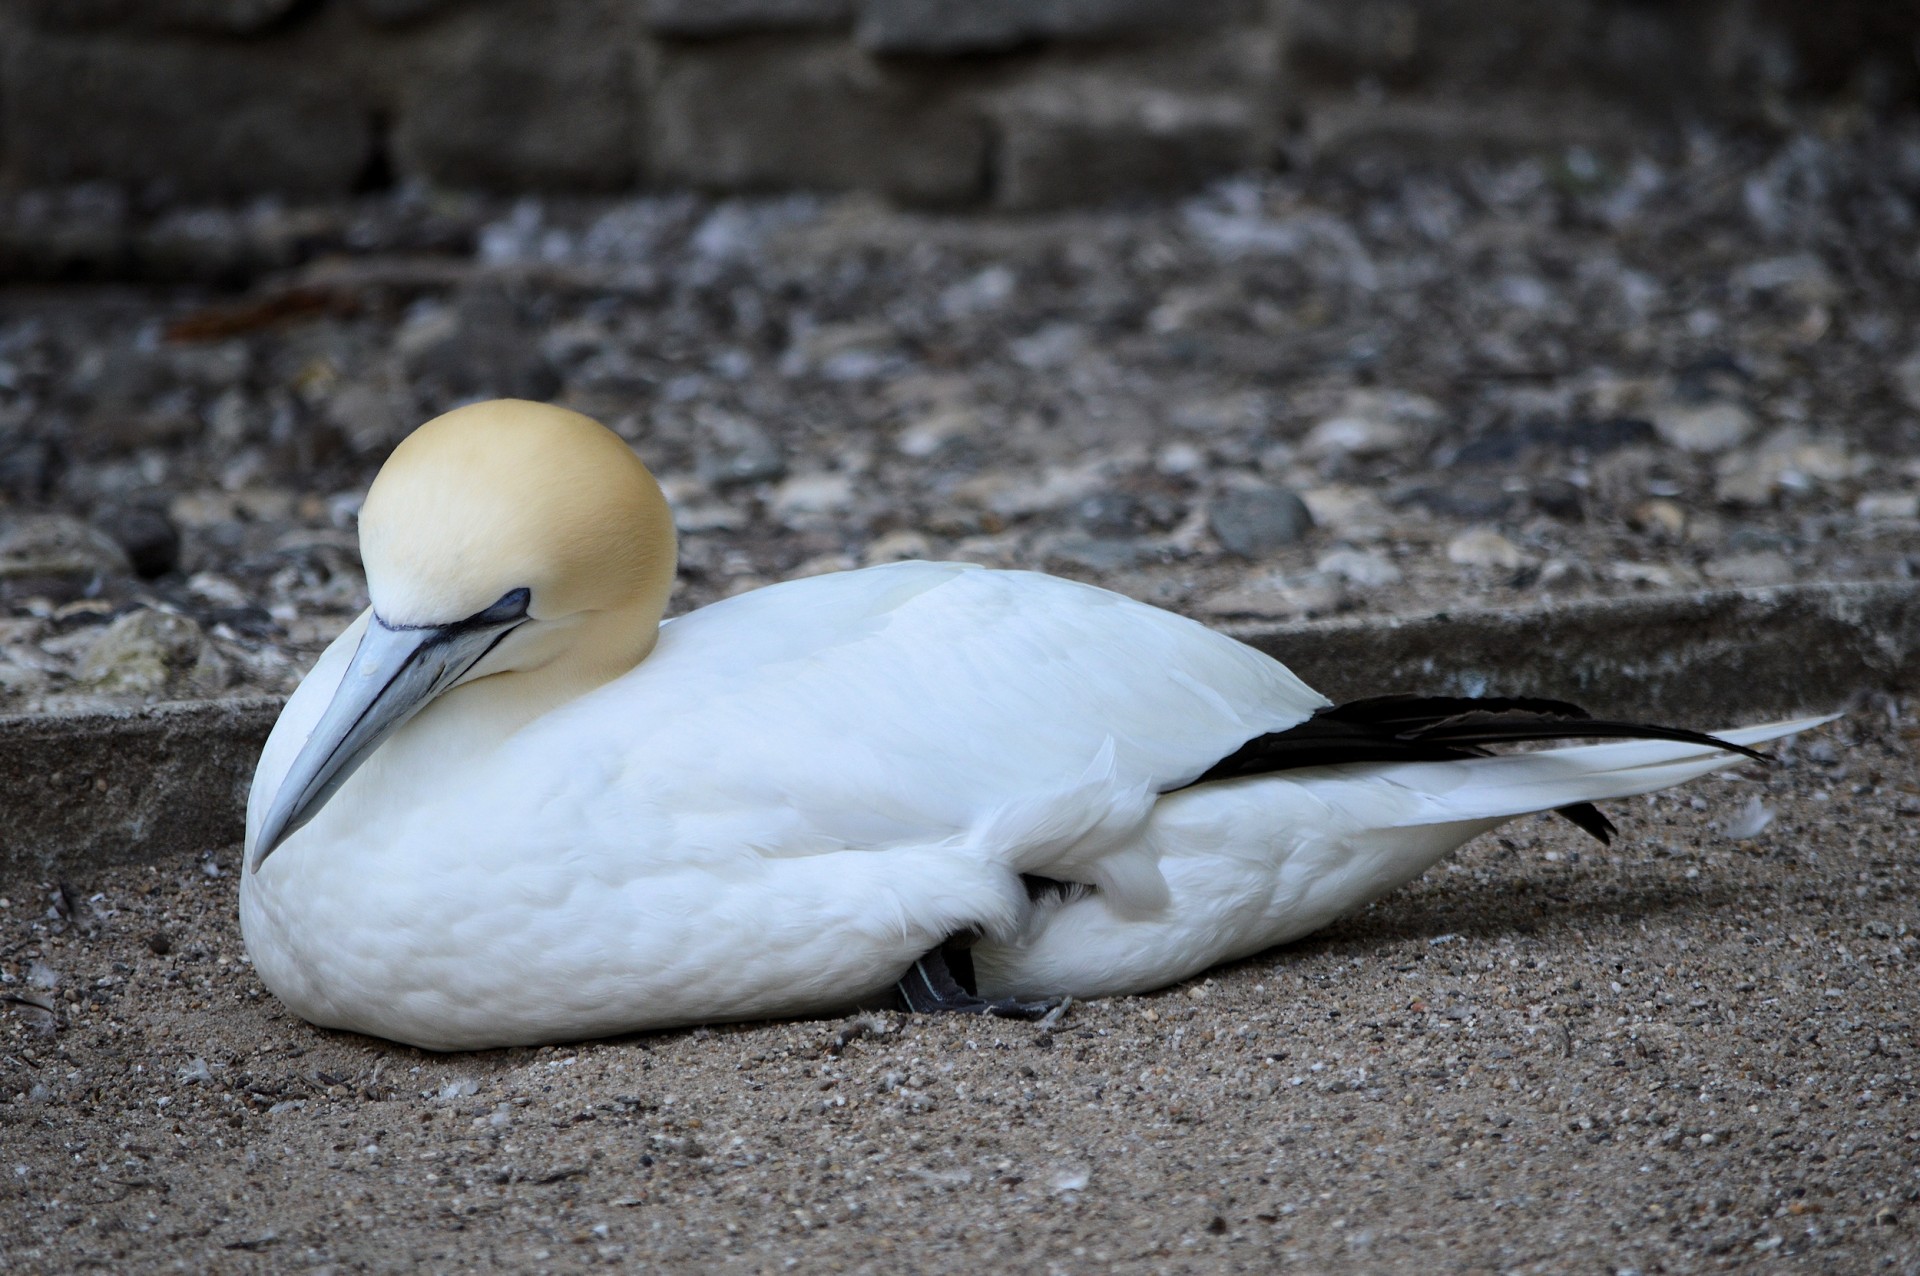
(394, 674)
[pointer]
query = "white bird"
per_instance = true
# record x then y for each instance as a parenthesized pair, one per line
(509, 805)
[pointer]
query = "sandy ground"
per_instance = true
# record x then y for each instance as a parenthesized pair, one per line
(1693, 1051)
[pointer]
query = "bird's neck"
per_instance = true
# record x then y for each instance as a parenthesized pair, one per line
(599, 650)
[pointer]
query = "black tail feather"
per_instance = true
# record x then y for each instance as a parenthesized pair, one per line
(1405, 728)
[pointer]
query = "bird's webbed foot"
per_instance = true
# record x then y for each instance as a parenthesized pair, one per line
(941, 982)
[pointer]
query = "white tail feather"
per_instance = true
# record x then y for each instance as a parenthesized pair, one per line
(1520, 783)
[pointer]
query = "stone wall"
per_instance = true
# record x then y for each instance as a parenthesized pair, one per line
(1008, 103)
(1017, 103)
(1524, 72)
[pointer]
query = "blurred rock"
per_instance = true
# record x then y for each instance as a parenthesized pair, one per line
(1112, 513)
(1274, 597)
(1020, 495)
(1906, 380)
(1888, 505)
(1659, 515)
(1373, 423)
(708, 18)
(1789, 459)
(1352, 513)
(1801, 278)
(148, 653)
(1354, 436)
(1766, 568)
(804, 498)
(368, 416)
(695, 509)
(930, 433)
(1656, 575)
(744, 115)
(1359, 567)
(898, 546)
(36, 545)
(734, 450)
(1468, 494)
(151, 541)
(1064, 144)
(1484, 547)
(226, 17)
(1257, 519)
(217, 591)
(1594, 437)
(397, 12)
(518, 97)
(212, 118)
(1704, 427)
(1088, 553)
(1052, 345)
(29, 468)
(478, 348)
(975, 26)
(1557, 498)
(19, 679)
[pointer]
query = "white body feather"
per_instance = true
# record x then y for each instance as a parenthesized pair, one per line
(805, 788)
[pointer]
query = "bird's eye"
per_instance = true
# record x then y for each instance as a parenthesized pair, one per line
(512, 606)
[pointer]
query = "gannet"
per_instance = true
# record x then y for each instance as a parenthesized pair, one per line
(510, 805)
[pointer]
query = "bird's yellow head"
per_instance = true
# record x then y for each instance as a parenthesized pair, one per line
(506, 495)
(503, 538)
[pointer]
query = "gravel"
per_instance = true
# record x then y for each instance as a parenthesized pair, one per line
(1694, 1051)
(1361, 388)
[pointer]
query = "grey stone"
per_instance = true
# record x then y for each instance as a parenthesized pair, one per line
(1723, 655)
(1362, 567)
(515, 97)
(42, 545)
(1711, 427)
(95, 789)
(805, 499)
(1066, 143)
(748, 114)
(734, 451)
(1351, 434)
(479, 347)
(704, 18)
(973, 26)
(399, 12)
(29, 468)
(371, 417)
(227, 17)
(194, 119)
(945, 26)
(1096, 554)
(151, 541)
(1764, 567)
(154, 653)
(1112, 514)
(1484, 547)
(1252, 521)
(1273, 597)
(1906, 379)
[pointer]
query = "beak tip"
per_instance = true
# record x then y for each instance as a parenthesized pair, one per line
(273, 832)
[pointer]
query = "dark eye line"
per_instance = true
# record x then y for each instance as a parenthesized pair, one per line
(511, 607)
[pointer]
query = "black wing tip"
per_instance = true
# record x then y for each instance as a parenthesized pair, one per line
(1412, 728)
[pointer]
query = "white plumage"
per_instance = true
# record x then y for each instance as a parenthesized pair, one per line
(801, 790)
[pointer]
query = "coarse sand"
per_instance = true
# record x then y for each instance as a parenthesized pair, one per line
(1692, 1051)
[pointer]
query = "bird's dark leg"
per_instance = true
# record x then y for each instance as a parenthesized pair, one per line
(941, 982)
